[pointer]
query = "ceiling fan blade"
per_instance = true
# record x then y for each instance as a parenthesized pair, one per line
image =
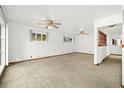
(47, 26)
(41, 23)
(86, 33)
(48, 20)
(54, 20)
(55, 26)
(44, 20)
(83, 33)
(57, 23)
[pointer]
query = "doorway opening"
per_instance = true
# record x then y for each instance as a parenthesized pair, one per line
(110, 38)
(109, 49)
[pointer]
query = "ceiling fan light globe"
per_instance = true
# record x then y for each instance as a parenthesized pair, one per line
(81, 34)
(49, 27)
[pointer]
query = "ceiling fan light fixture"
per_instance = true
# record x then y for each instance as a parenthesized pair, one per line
(49, 24)
(81, 33)
(49, 27)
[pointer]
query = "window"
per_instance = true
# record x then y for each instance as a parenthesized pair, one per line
(102, 39)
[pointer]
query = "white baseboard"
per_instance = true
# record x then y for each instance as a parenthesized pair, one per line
(85, 53)
(27, 59)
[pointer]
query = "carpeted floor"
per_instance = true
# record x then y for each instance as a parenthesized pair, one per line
(72, 70)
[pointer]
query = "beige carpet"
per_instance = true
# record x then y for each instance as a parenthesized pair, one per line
(72, 70)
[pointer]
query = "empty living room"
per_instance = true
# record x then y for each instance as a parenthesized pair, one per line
(61, 46)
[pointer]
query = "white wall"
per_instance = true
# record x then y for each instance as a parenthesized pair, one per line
(103, 51)
(98, 55)
(123, 51)
(114, 49)
(21, 48)
(123, 61)
(85, 44)
(2, 43)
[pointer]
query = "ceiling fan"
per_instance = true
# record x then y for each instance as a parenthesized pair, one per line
(82, 32)
(49, 24)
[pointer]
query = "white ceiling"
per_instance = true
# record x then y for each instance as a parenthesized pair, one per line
(71, 16)
(117, 29)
